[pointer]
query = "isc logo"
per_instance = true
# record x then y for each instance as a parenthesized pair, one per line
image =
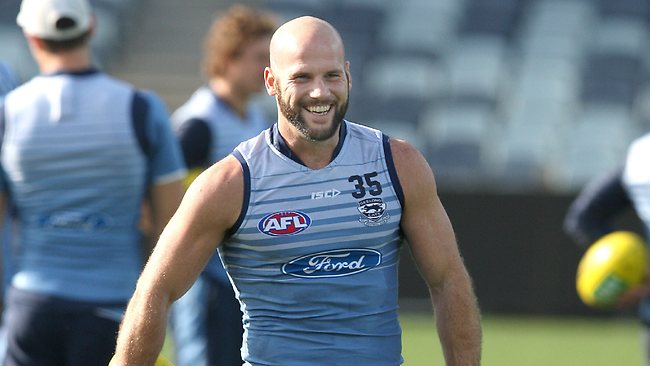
(284, 223)
(330, 193)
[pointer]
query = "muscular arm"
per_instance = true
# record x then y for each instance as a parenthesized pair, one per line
(433, 245)
(210, 207)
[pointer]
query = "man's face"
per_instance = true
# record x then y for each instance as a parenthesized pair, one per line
(313, 92)
(329, 113)
(246, 70)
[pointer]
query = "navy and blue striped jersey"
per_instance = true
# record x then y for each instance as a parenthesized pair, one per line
(314, 258)
(209, 130)
(78, 153)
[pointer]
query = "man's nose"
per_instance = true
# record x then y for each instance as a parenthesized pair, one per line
(319, 89)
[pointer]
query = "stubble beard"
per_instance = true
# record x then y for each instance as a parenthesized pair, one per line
(292, 114)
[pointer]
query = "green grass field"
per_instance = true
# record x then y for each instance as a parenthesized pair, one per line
(530, 341)
(534, 341)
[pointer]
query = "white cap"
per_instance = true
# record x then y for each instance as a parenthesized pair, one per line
(55, 19)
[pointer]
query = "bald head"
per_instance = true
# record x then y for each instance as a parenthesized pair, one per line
(310, 79)
(302, 36)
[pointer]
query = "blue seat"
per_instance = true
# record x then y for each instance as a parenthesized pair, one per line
(624, 8)
(610, 77)
(493, 17)
(456, 164)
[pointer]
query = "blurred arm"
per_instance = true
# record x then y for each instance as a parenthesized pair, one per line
(433, 245)
(210, 207)
(163, 201)
(591, 214)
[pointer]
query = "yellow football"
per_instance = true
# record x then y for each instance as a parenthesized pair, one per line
(613, 264)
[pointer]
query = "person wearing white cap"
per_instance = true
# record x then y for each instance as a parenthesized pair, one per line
(55, 19)
(80, 154)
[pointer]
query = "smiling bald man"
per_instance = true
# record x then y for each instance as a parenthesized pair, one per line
(309, 218)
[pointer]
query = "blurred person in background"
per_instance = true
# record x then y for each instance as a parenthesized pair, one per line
(80, 153)
(8, 81)
(206, 321)
(595, 210)
(309, 218)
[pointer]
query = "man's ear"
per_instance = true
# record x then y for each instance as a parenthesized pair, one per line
(34, 42)
(269, 81)
(347, 73)
(93, 25)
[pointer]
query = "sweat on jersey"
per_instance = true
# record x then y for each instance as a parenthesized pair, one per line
(78, 152)
(314, 255)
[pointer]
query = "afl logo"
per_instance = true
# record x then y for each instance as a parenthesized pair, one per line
(283, 223)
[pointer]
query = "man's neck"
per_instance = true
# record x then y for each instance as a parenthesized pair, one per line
(74, 60)
(313, 154)
(225, 91)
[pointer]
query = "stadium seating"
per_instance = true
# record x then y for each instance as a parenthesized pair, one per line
(499, 94)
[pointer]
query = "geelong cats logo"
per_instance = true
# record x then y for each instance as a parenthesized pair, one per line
(283, 223)
(333, 263)
(373, 212)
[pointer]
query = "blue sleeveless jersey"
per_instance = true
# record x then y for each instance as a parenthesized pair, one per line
(314, 257)
(78, 152)
(227, 130)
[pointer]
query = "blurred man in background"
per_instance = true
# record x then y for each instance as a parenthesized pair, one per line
(207, 321)
(80, 153)
(8, 82)
(594, 212)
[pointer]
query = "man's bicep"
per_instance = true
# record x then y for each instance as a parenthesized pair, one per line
(425, 223)
(431, 240)
(181, 252)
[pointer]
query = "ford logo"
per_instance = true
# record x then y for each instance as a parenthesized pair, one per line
(284, 223)
(333, 263)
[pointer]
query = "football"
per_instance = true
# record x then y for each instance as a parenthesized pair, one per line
(613, 264)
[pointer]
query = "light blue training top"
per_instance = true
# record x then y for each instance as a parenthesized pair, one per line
(314, 258)
(226, 129)
(79, 150)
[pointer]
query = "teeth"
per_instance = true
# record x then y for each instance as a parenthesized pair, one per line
(318, 108)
